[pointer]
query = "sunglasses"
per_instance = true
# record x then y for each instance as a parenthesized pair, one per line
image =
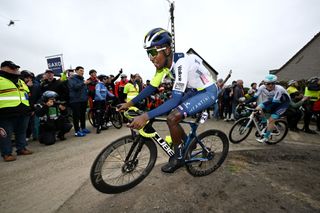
(153, 52)
(267, 84)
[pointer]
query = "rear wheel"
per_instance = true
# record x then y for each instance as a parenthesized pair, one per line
(240, 130)
(207, 152)
(111, 173)
(279, 133)
(92, 117)
(116, 119)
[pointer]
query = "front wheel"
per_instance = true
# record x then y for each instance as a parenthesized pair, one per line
(206, 152)
(279, 132)
(240, 130)
(123, 164)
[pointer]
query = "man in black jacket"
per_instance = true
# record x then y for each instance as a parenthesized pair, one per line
(52, 84)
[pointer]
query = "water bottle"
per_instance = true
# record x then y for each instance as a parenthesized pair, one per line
(204, 117)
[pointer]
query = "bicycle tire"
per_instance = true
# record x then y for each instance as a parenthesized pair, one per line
(240, 127)
(282, 126)
(116, 119)
(200, 162)
(91, 117)
(101, 169)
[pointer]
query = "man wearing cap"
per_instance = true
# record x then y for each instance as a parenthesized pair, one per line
(52, 84)
(14, 111)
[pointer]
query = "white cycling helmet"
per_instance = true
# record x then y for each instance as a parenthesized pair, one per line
(270, 78)
(291, 82)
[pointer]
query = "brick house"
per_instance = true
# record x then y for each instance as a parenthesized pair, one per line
(304, 64)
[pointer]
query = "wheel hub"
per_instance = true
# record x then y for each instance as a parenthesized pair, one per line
(129, 166)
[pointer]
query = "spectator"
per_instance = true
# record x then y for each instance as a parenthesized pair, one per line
(34, 96)
(293, 88)
(92, 82)
(65, 75)
(312, 91)
(64, 96)
(14, 111)
(111, 82)
(53, 118)
(52, 84)
(238, 92)
(78, 98)
(216, 106)
(253, 89)
(226, 103)
(131, 89)
(119, 88)
(101, 95)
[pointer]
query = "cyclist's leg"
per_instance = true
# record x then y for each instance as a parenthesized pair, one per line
(193, 102)
(100, 106)
(277, 111)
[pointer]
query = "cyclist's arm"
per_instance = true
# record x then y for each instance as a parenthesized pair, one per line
(255, 96)
(146, 92)
(250, 100)
(166, 106)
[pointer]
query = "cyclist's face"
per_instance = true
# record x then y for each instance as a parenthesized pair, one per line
(159, 59)
(269, 86)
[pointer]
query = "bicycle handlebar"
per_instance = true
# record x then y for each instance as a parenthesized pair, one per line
(133, 112)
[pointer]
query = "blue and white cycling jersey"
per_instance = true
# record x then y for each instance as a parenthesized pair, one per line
(277, 95)
(194, 88)
(277, 100)
(189, 72)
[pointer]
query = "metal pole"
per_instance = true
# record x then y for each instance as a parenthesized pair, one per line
(173, 45)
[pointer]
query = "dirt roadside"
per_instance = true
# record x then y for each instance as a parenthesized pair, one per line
(280, 178)
(254, 178)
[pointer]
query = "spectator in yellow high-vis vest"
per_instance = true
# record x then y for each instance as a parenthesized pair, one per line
(131, 89)
(14, 111)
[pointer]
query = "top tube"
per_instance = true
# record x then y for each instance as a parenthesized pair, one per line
(143, 131)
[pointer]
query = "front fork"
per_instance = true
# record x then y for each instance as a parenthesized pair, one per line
(131, 160)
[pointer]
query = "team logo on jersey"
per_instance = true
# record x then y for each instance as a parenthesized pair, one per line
(179, 86)
(187, 104)
(3, 133)
(179, 72)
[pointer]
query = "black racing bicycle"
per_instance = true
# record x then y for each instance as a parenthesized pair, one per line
(128, 160)
(111, 114)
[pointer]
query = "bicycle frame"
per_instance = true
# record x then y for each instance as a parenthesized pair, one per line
(151, 133)
(253, 119)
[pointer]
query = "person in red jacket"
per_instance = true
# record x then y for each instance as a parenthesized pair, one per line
(91, 84)
(119, 88)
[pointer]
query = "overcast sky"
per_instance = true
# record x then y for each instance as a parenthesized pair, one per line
(250, 37)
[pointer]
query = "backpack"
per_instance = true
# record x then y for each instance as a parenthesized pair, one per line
(313, 84)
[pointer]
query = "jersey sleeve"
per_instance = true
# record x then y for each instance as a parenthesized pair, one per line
(256, 95)
(159, 76)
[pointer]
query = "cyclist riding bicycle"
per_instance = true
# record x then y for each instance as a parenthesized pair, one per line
(193, 90)
(277, 102)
